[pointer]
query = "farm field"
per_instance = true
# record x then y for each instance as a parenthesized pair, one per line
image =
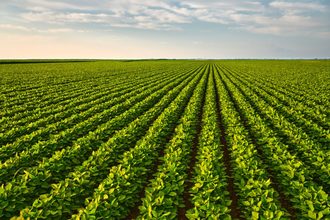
(165, 139)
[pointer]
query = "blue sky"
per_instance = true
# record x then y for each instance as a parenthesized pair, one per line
(164, 29)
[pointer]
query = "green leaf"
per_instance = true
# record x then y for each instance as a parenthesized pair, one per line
(173, 194)
(255, 215)
(311, 214)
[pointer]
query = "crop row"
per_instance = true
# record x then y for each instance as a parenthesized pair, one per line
(55, 124)
(164, 140)
(130, 170)
(309, 199)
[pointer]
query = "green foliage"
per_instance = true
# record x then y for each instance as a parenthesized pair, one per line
(115, 139)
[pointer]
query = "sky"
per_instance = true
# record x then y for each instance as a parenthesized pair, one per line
(131, 29)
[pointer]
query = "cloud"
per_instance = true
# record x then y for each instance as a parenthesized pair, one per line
(276, 17)
(129, 13)
(13, 27)
(288, 24)
(44, 5)
(61, 30)
(55, 17)
(36, 30)
(297, 6)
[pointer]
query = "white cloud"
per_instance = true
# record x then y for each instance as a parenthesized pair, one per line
(36, 30)
(42, 5)
(297, 6)
(62, 30)
(288, 24)
(54, 17)
(277, 17)
(13, 27)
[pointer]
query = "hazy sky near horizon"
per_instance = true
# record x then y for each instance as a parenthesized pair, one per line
(164, 29)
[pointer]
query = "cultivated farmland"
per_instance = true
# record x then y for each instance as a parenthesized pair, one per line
(222, 139)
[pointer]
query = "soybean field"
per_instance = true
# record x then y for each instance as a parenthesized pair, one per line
(165, 139)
